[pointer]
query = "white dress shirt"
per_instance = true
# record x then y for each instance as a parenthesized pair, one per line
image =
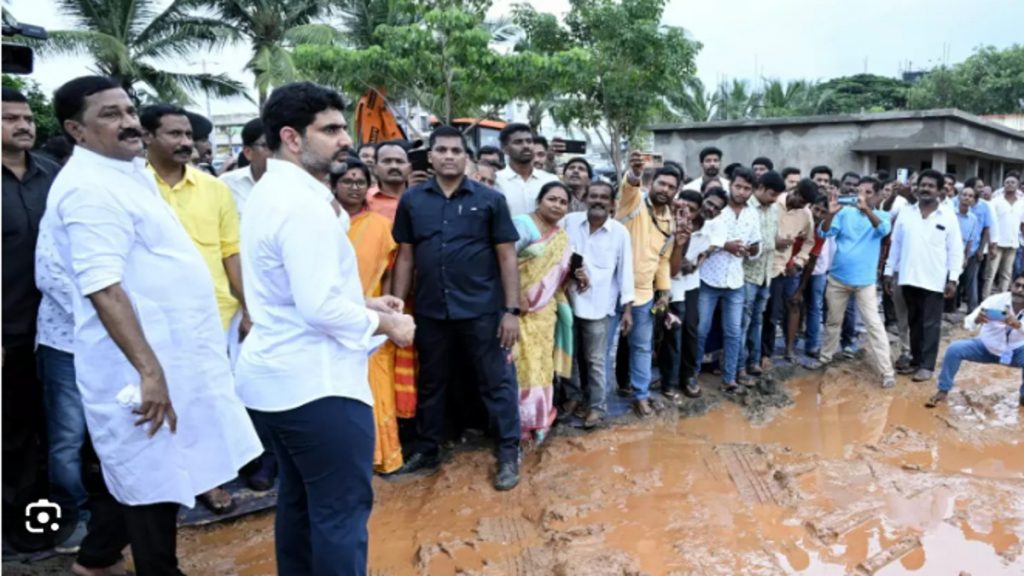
(712, 233)
(1006, 220)
(240, 181)
(897, 204)
(55, 325)
(722, 269)
(926, 252)
(111, 226)
(824, 262)
(608, 259)
(312, 333)
(521, 195)
(995, 334)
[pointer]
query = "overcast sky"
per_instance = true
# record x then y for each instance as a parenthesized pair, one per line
(749, 39)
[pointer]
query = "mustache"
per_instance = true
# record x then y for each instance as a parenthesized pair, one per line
(184, 150)
(23, 133)
(396, 172)
(129, 133)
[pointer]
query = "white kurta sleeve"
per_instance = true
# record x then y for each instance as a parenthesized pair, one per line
(100, 235)
(310, 240)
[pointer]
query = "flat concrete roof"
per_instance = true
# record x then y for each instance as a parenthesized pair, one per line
(866, 117)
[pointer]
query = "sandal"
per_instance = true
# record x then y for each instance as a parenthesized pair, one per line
(937, 399)
(754, 370)
(745, 380)
(672, 394)
(209, 500)
(693, 389)
(734, 390)
(642, 408)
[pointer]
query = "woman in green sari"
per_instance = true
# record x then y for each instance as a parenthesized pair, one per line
(545, 330)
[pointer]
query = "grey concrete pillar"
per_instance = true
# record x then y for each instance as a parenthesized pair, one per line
(939, 160)
(972, 168)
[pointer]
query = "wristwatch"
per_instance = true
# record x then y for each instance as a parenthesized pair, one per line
(512, 311)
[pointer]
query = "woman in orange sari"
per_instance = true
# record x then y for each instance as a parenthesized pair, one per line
(370, 234)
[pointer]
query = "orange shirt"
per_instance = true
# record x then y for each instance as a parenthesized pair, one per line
(381, 203)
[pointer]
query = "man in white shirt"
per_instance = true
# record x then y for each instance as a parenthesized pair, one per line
(1007, 213)
(304, 367)
(520, 182)
(254, 148)
(710, 164)
(1001, 340)
(147, 330)
(722, 280)
(702, 232)
(927, 254)
(604, 244)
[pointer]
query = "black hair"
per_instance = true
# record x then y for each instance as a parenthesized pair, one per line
(13, 95)
(507, 132)
(772, 181)
(836, 182)
(883, 175)
(58, 148)
(704, 153)
(151, 116)
(252, 131)
(295, 105)
(404, 145)
(491, 150)
(550, 186)
(691, 196)
(748, 175)
(678, 168)
(731, 169)
(666, 171)
(1010, 174)
(719, 193)
(807, 190)
(876, 184)
(850, 175)
(69, 99)
(821, 170)
(709, 184)
(934, 175)
(971, 182)
(242, 161)
(763, 161)
(202, 127)
(579, 160)
(820, 199)
(950, 176)
(605, 183)
(350, 165)
(788, 171)
(446, 132)
(538, 139)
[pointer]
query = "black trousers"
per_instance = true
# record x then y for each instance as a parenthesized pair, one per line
(24, 431)
(443, 344)
(151, 530)
(678, 352)
(924, 313)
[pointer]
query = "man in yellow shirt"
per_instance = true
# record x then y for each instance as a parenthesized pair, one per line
(207, 211)
(648, 218)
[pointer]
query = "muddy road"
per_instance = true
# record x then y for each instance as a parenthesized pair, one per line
(827, 475)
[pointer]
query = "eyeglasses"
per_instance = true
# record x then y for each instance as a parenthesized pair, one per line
(348, 183)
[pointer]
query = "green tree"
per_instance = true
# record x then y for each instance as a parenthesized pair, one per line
(990, 81)
(737, 101)
(796, 98)
(128, 39)
(42, 109)
(632, 64)
(692, 101)
(862, 93)
(272, 28)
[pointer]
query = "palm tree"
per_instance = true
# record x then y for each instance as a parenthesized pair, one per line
(795, 98)
(127, 39)
(693, 102)
(736, 101)
(272, 27)
(360, 19)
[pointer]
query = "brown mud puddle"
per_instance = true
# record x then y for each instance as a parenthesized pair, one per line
(849, 479)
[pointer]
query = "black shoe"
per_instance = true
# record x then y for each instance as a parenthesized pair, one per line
(420, 462)
(507, 477)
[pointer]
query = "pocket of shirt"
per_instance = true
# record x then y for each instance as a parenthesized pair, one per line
(204, 229)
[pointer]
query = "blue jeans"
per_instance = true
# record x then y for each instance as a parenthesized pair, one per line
(732, 321)
(755, 300)
(325, 456)
(65, 425)
(641, 338)
(815, 300)
(972, 350)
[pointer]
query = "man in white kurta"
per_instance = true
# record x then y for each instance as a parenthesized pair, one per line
(116, 236)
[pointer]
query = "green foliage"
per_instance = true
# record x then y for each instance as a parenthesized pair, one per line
(42, 109)
(128, 38)
(990, 81)
(862, 93)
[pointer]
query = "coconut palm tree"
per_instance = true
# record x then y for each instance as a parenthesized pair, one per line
(130, 39)
(272, 27)
(736, 101)
(796, 98)
(693, 102)
(360, 19)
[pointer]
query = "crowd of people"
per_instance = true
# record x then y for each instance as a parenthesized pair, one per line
(321, 311)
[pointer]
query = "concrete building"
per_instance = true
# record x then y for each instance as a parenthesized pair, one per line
(947, 140)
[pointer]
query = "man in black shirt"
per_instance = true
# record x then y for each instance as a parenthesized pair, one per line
(458, 236)
(26, 181)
